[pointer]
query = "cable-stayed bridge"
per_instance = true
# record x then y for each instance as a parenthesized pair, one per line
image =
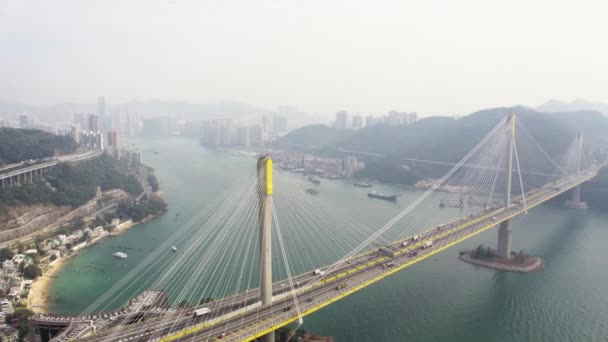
(235, 283)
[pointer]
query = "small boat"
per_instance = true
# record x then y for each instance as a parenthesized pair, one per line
(314, 180)
(173, 248)
(312, 191)
(362, 185)
(120, 255)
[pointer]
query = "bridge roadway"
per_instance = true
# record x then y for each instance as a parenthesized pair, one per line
(66, 158)
(243, 322)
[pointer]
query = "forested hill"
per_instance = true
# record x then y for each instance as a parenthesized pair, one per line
(447, 139)
(23, 144)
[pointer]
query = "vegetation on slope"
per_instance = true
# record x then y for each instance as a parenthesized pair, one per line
(448, 140)
(73, 185)
(23, 144)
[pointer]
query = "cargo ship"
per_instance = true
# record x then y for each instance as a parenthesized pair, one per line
(373, 194)
(314, 180)
(362, 185)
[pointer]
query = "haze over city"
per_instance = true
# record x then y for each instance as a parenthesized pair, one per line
(279, 171)
(433, 57)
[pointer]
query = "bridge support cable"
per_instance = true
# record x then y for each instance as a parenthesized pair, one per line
(421, 198)
(189, 259)
(467, 192)
(521, 181)
(154, 259)
(316, 216)
(522, 128)
(292, 286)
(233, 238)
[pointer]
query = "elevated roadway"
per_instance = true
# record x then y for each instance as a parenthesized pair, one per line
(240, 317)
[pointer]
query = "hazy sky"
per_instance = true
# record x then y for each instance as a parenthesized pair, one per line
(433, 57)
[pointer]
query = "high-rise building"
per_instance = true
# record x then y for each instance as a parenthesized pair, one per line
(93, 123)
(101, 112)
(24, 121)
(357, 122)
(75, 133)
(256, 134)
(80, 120)
(342, 120)
(349, 165)
(244, 136)
(265, 129)
(279, 125)
(395, 118)
(370, 121)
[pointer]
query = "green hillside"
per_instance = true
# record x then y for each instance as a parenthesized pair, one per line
(17, 145)
(448, 140)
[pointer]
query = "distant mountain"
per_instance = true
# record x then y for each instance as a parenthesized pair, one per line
(448, 140)
(574, 106)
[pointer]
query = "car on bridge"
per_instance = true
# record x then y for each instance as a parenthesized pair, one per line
(341, 286)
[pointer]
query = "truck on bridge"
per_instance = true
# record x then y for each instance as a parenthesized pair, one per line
(427, 244)
(201, 311)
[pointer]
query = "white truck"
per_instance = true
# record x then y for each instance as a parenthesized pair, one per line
(318, 272)
(427, 244)
(415, 237)
(201, 311)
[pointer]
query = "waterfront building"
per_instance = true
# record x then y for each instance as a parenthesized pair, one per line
(349, 165)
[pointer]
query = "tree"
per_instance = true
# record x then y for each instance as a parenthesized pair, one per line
(32, 271)
(6, 254)
(20, 247)
(21, 315)
(153, 182)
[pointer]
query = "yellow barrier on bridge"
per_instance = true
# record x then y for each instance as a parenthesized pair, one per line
(398, 268)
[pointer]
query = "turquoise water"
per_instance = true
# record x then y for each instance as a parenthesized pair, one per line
(439, 299)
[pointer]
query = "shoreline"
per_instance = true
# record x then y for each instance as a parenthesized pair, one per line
(38, 296)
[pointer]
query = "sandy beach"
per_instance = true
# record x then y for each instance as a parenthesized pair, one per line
(37, 299)
(123, 227)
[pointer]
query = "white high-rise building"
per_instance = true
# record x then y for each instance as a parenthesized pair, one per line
(342, 120)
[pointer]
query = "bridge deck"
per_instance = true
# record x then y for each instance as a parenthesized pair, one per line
(245, 321)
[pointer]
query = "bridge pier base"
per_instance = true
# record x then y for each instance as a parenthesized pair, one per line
(575, 202)
(504, 240)
(268, 337)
